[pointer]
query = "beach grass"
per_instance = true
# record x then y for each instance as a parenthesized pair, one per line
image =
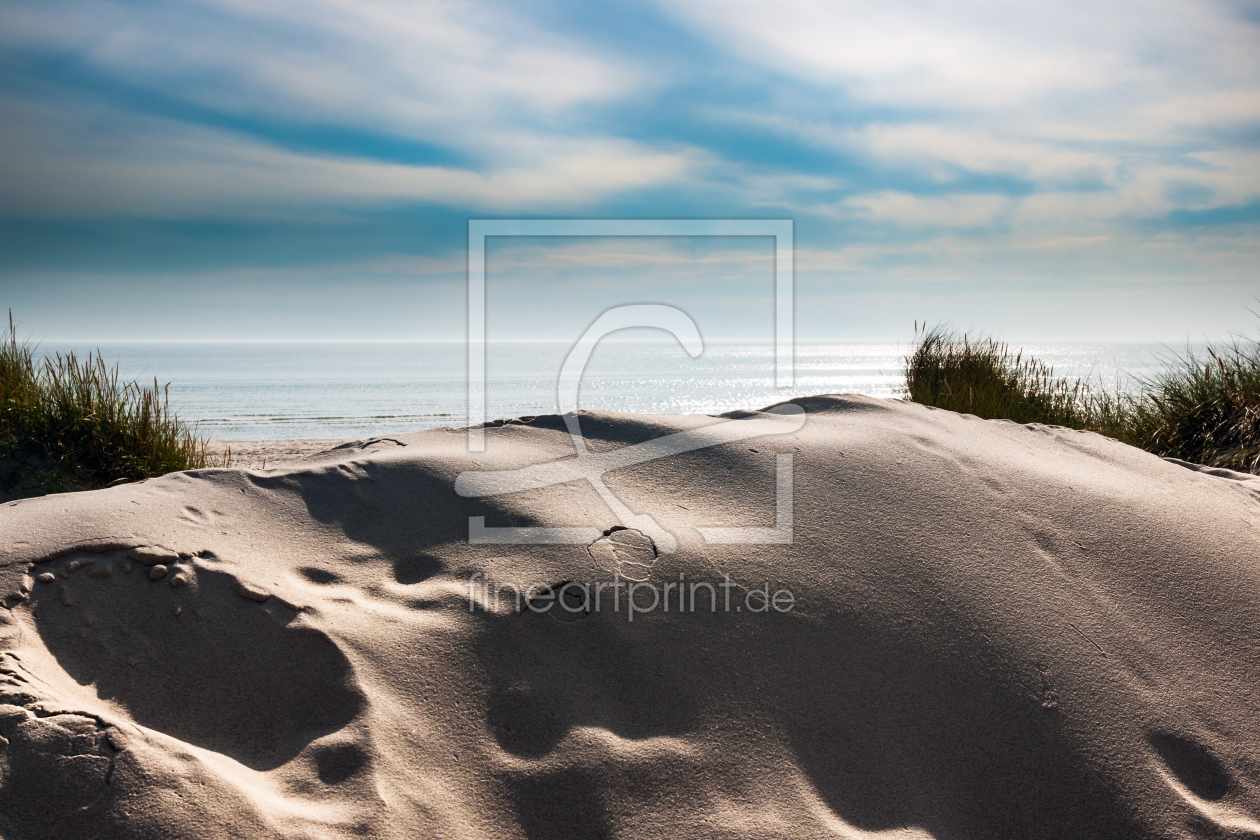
(984, 377)
(71, 424)
(1202, 408)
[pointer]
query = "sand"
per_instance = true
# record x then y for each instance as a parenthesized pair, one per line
(261, 454)
(996, 631)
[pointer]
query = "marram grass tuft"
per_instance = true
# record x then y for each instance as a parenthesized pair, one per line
(1202, 409)
(982, 376)
(70, 424)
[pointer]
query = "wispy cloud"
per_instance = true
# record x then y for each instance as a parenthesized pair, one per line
(61, 164)
(987, 55)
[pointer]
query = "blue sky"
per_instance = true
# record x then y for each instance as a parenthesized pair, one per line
(237, 170)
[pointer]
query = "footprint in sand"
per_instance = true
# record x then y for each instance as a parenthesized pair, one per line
(66, 773)
(196, 516)
(321, 576)
(42, 744)
(1193, 765)
(628, 553)
(192, 652)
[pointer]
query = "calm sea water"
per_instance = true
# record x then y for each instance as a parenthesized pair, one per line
(270, 391)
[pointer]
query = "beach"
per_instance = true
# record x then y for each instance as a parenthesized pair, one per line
(867, 618)
(261, 454)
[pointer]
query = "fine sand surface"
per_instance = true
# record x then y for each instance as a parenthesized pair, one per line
(998, 631)
(262, 454)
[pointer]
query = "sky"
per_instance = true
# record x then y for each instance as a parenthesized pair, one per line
(229, 170)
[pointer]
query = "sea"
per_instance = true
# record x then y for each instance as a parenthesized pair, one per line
(351, 390)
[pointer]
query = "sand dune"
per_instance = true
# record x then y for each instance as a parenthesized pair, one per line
(995, 631)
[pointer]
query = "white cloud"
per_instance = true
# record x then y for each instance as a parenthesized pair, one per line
(469, 78)
(1109, 109)
(56, 165)
(681, 256)
(919, 211)
(988, 53)
(946, 256)
(441, 71)
(979, 151)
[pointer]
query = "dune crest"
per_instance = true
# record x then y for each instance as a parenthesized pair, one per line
(993, 631)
